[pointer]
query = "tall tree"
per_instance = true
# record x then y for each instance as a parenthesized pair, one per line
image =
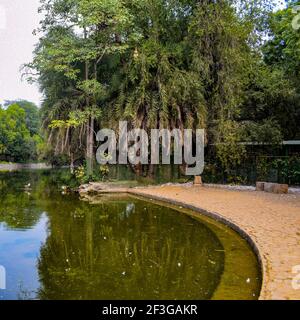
(77, 35)
(31, 113)
(281, 54)
(154, 63)
(15, 140)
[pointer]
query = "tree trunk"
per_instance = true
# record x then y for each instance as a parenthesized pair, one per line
(90, 126)
(151, 170)
(90, 147)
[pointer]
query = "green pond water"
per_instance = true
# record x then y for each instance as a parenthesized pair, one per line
(54, 246)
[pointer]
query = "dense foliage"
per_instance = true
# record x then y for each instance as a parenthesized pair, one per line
(20, 140)
(229, 66)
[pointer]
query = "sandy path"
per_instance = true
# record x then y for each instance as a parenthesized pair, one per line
(272, 221)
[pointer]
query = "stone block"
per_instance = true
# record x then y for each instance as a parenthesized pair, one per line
(281, 188)
(276, 188)
(269, 187)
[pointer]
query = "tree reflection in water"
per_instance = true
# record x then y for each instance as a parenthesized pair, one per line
(118, 247)
(127, 249)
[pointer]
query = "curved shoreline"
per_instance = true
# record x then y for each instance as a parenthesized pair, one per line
(214, 216)
(223, 291)
(276, 255)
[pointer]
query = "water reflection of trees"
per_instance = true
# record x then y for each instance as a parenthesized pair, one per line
(18, 209)
(25, 194)
(118, 248)
(126, 250)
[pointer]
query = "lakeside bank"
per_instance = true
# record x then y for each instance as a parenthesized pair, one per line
(270, 223)
(23, 166)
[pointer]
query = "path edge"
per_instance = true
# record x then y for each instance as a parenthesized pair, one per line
(220, 218)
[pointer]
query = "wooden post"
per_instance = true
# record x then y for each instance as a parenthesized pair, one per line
(198, 181)
(260, 186)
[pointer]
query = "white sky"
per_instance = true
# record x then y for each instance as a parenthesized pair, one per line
(18, 18)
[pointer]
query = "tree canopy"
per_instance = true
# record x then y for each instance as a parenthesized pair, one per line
(227, 66)
(20, 140)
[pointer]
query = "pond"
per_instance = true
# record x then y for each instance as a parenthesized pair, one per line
(54, 246)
